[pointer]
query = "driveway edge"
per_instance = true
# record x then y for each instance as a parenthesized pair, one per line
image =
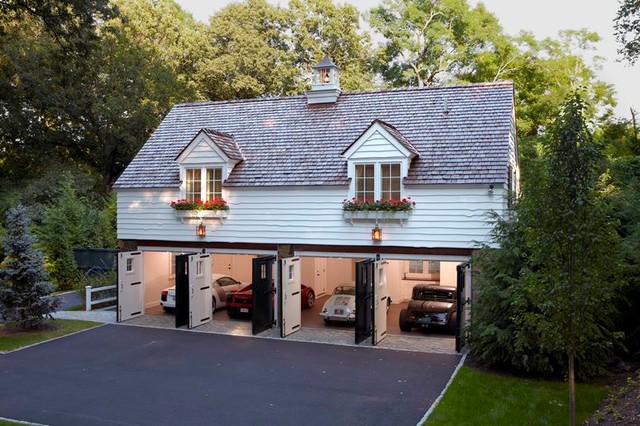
(435, 403)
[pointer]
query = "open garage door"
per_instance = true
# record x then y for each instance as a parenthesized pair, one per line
(200, 307)
(291, 295)
(263, 291)
(464, 283)
(364, 299)
(381, 297)
(130, 286)
(193, 290)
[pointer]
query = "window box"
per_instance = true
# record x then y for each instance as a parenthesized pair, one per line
(376, 216)
(187, 216)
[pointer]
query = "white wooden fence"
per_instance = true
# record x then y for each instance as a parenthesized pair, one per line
(90, 291)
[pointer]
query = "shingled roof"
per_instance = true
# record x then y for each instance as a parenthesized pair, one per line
(461, 132)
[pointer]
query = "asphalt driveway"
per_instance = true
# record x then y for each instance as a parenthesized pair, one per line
(130, 375)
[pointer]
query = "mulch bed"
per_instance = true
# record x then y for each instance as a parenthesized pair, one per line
(622, 405)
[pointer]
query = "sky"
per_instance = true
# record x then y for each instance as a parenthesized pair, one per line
(542, 17)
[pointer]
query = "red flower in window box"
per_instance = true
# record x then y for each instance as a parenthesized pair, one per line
(354, 205)
(187, 204)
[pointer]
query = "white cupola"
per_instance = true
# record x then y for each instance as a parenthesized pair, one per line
(325, 84)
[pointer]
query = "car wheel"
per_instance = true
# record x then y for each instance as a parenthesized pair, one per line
(453, 320)
(327, 321)
(213, 304)
(231, 314)
(311, 299)
(405, 325)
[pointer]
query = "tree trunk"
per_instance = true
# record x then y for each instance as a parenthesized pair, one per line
(572, 391)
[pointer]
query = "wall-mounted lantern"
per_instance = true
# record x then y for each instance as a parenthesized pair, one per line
(201, 230)
(376, 234)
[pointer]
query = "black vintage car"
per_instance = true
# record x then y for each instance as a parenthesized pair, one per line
(430, 305)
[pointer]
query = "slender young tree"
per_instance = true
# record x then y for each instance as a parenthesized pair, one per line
(25, 292)
(573, 243)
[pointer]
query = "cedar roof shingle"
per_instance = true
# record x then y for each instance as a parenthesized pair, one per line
(461, 132)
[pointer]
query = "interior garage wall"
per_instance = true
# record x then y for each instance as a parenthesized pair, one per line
(234, 265)
(156, 276)
(449, 273)
(330, 271)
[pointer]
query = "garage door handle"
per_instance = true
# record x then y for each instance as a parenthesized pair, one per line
(293, 294)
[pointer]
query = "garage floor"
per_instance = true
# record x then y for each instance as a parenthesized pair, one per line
(314, 330)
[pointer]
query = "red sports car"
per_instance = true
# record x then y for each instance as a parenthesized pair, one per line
(241, 301)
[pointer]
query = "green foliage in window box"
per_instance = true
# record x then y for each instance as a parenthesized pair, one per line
(355, 205)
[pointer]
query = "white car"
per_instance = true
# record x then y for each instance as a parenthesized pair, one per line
(222, 286)
(341, 306)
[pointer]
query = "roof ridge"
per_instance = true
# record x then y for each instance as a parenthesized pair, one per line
(352, 93)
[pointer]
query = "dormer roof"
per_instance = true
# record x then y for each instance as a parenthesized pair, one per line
(223, 143)
(390, 133)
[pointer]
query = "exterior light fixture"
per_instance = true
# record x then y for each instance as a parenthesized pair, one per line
(376, 234)
(490, 190)
(201, 230)
(326, 78)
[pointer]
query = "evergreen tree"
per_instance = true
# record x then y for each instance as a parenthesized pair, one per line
(25, 292)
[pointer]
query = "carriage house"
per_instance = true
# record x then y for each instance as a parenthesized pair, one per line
(384, 189)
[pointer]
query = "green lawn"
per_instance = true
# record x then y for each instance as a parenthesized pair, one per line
(480, 398)
(62, 328)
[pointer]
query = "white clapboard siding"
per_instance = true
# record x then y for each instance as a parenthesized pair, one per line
(377, 146)
(202, 153)
(451, 217)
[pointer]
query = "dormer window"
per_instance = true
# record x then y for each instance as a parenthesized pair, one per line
(377, 181)
(205, 163)
(203, 183)
(377, 162)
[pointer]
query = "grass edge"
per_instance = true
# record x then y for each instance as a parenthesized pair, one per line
(439, 398)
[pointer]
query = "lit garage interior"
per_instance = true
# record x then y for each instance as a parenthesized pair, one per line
(321, 274)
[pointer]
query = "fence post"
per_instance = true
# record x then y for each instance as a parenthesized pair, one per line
(87, 298)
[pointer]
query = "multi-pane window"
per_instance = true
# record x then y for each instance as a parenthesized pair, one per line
(194, 184)
(416, 267)
(365, 182)
(214, 183)
(378, 181)
(203, 184)
(390, 180)
(423, 270)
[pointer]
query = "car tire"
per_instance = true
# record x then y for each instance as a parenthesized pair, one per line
(213, 304)
(404, 323)
(311, 299)
(231, 314)
(453, 320)
(327, 321)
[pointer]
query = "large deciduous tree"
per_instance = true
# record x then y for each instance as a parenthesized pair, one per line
(247, 54)
(432, 41)
(627, 28)
(93, 109)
